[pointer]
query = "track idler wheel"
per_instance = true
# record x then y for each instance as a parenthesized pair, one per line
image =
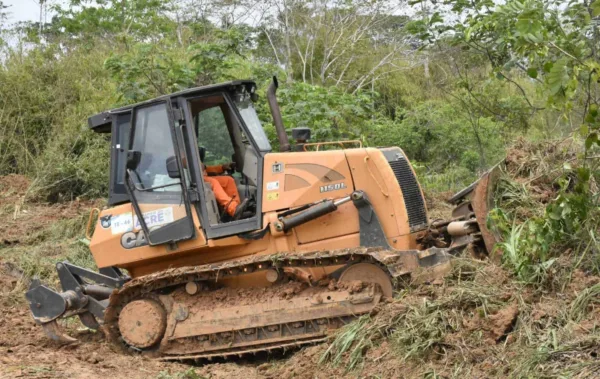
(369, 273)
(142, 323)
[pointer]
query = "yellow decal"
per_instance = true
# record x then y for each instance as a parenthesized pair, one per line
(273, 196)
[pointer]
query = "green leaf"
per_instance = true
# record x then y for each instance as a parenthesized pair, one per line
(589, 118)
(595, 8)
(532, 72)
(594, 110)
(590, 140)
(584, 174)
(468, 32)
(584, 130)
(558, 77)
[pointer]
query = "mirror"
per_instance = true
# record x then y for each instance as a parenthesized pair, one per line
(173, 167)
(133, 159)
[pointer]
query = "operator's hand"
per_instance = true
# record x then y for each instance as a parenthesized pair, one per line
(228, 166)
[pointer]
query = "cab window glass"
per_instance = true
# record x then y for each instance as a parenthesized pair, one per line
(213, 133)
(152, 138)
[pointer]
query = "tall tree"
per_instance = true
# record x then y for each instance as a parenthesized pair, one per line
(3, 13)
(138, 19)
(553, 43)
(343, 43)
(3, 18)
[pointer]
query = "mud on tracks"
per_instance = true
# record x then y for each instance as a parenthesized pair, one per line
(25, 351)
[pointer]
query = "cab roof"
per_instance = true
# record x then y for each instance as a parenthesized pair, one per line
(101, 122)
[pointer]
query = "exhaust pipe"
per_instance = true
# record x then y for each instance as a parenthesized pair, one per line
(284, 143)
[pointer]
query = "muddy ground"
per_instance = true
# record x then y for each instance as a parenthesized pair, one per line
(476, 323)
(25, 351)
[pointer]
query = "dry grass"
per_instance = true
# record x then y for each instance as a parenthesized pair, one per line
(465, 328)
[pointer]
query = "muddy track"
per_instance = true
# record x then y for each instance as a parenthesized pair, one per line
(254, 338)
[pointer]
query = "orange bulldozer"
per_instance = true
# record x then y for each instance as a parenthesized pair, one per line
(323, 232)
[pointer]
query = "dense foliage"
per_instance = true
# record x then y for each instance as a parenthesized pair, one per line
(452, 82)
(460, 85)
(351, 70)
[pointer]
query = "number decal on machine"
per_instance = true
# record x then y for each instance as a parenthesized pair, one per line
(126, 223)
(333, 187)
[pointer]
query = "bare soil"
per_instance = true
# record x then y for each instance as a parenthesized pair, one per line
(21, 219)
(476, 341)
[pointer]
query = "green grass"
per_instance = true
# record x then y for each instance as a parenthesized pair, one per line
(37, 254)
(352, 341)
(453, 178)
(417, 324)
(580, 306)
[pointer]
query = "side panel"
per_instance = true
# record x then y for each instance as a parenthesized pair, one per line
(372, 174)
(294, 179)
(119, 241)
(411, 190)
(342, 222)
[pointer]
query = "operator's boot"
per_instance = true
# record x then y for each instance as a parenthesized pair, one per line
(239, 211)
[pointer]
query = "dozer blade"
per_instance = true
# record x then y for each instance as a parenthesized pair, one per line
(55, 332)
(477, 199)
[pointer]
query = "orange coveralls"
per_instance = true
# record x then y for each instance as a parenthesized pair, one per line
(224, 187)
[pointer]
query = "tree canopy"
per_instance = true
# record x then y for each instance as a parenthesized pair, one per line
(452, 82)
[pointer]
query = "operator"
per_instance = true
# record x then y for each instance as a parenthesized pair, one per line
(225, 189)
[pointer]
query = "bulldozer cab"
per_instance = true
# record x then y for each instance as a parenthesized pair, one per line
(157, 154)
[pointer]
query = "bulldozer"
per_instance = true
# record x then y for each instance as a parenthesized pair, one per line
(329, 231)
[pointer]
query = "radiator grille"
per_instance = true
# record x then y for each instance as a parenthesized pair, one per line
(415, 205)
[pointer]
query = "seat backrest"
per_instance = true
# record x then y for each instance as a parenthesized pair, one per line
(250, 169)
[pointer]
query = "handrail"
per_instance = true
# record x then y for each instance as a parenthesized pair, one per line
(88, 232)
(341, 143)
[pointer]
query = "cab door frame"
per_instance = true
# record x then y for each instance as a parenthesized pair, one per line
(231, 228)
(180, 229)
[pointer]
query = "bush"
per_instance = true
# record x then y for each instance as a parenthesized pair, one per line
(533, 238)
(47, 95)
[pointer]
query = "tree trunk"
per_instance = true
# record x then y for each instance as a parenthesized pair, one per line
(41, 18)
(288, 58)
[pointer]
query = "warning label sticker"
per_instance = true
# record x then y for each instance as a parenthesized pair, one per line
(273, 186)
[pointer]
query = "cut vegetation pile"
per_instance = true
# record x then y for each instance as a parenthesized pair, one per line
(534, 315)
